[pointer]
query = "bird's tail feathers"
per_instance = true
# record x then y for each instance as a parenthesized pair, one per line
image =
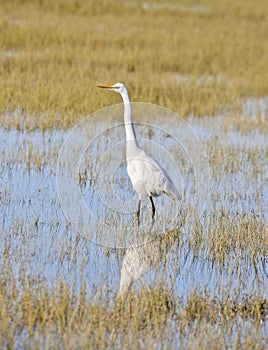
(172, 192)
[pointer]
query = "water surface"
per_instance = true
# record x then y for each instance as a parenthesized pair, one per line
(41, 245)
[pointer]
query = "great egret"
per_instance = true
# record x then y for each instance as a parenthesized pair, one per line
(148, 178)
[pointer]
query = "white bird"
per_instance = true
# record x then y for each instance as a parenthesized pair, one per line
(147, 176)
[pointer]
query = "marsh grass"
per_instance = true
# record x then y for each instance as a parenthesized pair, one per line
(57, 290)
(209, 289)
(191, 58)
(59, 318)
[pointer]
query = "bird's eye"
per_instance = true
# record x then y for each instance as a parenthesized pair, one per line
(117, 87)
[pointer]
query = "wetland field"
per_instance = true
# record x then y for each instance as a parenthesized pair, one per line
(76, 271)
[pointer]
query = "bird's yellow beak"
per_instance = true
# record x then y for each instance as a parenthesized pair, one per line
(105, 86)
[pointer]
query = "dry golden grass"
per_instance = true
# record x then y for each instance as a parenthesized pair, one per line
(194, 58)
(61, 319)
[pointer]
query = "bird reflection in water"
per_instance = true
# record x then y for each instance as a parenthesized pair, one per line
(139, 260)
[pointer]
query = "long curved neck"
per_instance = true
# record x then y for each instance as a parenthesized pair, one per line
(131, 139)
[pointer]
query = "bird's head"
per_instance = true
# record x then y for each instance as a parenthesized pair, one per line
(117, 87)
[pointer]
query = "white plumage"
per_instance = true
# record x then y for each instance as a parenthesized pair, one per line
(147, 176)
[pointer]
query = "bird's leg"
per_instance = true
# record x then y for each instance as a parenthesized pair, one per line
(153, 207)
(139, 211)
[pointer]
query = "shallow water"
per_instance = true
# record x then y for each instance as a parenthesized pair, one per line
(41, 245)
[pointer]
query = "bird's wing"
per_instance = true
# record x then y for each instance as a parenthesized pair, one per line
(155, 177)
